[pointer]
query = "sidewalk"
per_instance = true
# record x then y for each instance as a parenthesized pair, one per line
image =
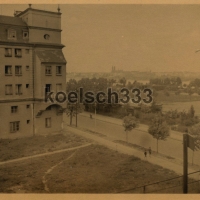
(142, 127)
(130, 151)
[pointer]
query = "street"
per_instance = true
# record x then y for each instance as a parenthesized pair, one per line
(114, 130)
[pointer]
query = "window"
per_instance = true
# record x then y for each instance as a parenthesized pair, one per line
(8, 70)
(48, 70)
(27, 85)
(14, 109)
(27, 67)
(47, 122)
(47, 88)
(25, 34)
(18, 89)
(18, 70)
(12, 34)
(18, 53)
(27, 106)
(8, 90)
(58, 87)
(27, 121)
(58, 70)
(14, 126)
(46, 37)
(8, 52)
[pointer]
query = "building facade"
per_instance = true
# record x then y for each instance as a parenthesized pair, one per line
(31, 65)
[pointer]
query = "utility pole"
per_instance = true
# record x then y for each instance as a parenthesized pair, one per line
(185, 164)
(76, 109)
(95, 112)
(76, 114)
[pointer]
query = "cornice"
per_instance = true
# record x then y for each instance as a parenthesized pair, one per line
(44, 28)
(37, 10)
(50, 45)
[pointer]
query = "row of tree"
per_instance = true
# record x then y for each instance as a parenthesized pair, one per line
(166, 81)
(159, 129)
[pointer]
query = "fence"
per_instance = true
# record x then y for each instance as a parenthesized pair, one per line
(172, 185)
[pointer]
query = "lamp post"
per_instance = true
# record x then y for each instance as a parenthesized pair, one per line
(76, 114)
(76, 110)
(95, 112)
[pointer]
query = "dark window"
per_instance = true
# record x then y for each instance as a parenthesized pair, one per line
(14, 109)
(8, 52)
(27, 106)
(25, 35)
(12, 34)
(8, 90)
(58, 70)
(47, 88)
(47, 122)
(8, 70)
(18, 70)
(27, 85)
(18, 53)
(14, 126)
(48, 70)
(27, 67)
(18, 89)
(27, 121)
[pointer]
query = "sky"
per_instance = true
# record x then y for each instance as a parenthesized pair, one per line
(131, 37)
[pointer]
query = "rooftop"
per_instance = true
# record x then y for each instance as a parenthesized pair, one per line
(51, 56)
(11, 20)
(37, 10)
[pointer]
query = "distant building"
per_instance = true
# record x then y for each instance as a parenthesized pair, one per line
(32, 64)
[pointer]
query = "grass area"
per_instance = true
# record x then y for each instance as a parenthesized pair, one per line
(92, 169)
(22, 147)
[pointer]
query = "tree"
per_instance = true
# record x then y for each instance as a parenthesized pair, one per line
(73, 110)
(129, 123)
(159, 129)
(195, 132)
(191, 111)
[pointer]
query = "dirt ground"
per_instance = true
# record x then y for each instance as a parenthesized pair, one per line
(92, 169)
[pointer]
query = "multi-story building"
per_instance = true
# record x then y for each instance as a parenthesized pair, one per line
(31, 64)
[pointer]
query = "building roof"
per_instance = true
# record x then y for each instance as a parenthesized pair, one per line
(51, 56)
(11, 20)
(37, 10)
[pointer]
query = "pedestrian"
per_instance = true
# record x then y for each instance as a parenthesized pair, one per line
(145, 153)
(149, 151)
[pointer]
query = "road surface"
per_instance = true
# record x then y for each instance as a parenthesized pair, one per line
(113, 129)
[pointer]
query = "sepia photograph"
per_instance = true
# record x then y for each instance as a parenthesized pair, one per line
(99, 98)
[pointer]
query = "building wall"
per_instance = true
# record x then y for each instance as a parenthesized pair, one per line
(56, 120)
(42, 19)
(37, 35)
(25, 78)
(23, 114)
(30, 113)
(41, 79)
